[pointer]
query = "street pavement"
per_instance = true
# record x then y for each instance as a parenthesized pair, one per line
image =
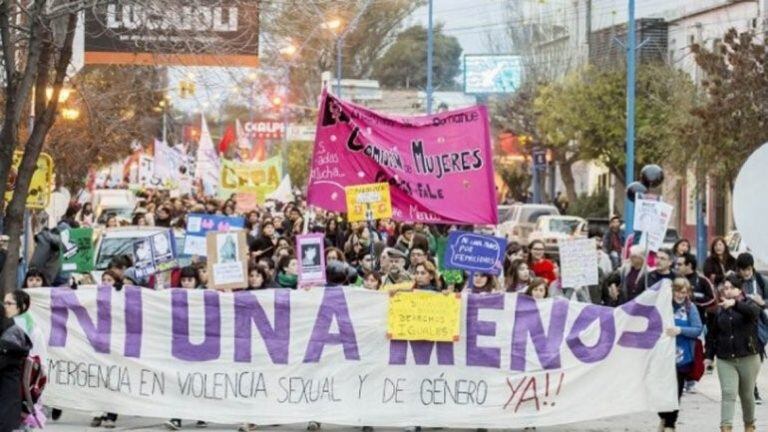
(700, 413)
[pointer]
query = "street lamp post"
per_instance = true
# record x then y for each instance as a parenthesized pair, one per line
(630, 168)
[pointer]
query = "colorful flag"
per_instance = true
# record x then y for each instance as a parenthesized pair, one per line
(439, 167)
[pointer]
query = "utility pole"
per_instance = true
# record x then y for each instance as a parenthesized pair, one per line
(630, 168)
(430, 49)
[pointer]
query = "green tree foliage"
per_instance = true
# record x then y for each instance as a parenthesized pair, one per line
(404, 65)
(587, 113)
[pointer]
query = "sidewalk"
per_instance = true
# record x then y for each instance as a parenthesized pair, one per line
(700, 413)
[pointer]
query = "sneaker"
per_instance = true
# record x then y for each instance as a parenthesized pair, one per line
(690, 387)
(313, 426)
(55, 414)
(96, 422)
(367, 428)
(247, 427)
(108, 424)
(173, 424)
(201, 424)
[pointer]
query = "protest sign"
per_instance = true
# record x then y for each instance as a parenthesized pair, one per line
(439, 167)
(310, 250)
(77, 253)
(40, 185)
(578, 262)
(245, 202)
(199, 224)
(653, 237)
(362, 199)
(261, 178)
(207, 162)
(424, 316)
(408, 285)
(475, 252)
(168, 162)
(155, 254)
(227, 259)
(289, 356)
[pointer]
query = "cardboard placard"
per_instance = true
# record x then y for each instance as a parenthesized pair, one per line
(310, 250)
(578, 262)
(199, 224)
(39, 186)
(475, 252)
(77, 255)
(362, 198)
(227, 259)
(155, 254)
(424, 315)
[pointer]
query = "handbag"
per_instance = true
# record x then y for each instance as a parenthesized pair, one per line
(697, 368)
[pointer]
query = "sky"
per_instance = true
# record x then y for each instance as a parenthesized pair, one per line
(475, 23)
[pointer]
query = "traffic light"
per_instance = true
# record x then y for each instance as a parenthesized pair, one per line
(186, 88)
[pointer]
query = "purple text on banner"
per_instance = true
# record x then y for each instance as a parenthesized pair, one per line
(439, 167)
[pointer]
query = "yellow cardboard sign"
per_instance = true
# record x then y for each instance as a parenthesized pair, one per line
(397, 287)
(39, 187)
(424, 315)
(260, 178)
(375, 196)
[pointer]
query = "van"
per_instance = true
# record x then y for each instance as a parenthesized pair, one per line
(522, 220)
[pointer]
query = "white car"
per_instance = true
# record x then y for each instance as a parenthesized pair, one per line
(737, 245)
(119, 202)
(119, 241)
(551, 229)
(520, 220)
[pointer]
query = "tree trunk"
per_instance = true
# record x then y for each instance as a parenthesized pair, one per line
(14, 218)
(566, 174)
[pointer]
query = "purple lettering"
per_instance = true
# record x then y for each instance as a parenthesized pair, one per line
(647, 338)
(528, 322)
(604, 345)
(334, 306)
(133, 321)
(422, 352)
(476, 355)
(182, 348)
(99, 334)
(276, 338)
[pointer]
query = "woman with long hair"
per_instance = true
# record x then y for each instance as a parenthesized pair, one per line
(482, 283)
(520, 276)
(539, 264)
(426, 277)
(720, 261)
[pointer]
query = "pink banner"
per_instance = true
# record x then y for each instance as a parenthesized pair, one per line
(439, 167)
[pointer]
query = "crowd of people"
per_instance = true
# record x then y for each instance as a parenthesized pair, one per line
(726, 302)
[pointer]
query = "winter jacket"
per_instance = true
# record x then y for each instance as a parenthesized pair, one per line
(544, 268)
(46, 255)
(733, 331)
(702, 293)
(621, 278)
(688, 319)
(14, 348)
(713, 268)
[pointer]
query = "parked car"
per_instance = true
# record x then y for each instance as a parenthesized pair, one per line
(119, 241)
(120, 202)
(737, 245)
(522, 219)
(551, 229)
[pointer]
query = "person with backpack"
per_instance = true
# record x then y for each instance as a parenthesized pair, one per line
(14, 349)
(686, 330)
(754, 287)
(16, 305)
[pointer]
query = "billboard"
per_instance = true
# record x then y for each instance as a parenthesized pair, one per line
(173, 32)
(492, 73)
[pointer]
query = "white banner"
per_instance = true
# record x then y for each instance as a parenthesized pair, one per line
(284, 356)
(208, 165)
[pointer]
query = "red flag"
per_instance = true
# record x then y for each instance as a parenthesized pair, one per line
(228, 138)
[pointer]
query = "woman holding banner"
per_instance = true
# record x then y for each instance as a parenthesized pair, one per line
(426, 277)
(519, 277)
(686, 330)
